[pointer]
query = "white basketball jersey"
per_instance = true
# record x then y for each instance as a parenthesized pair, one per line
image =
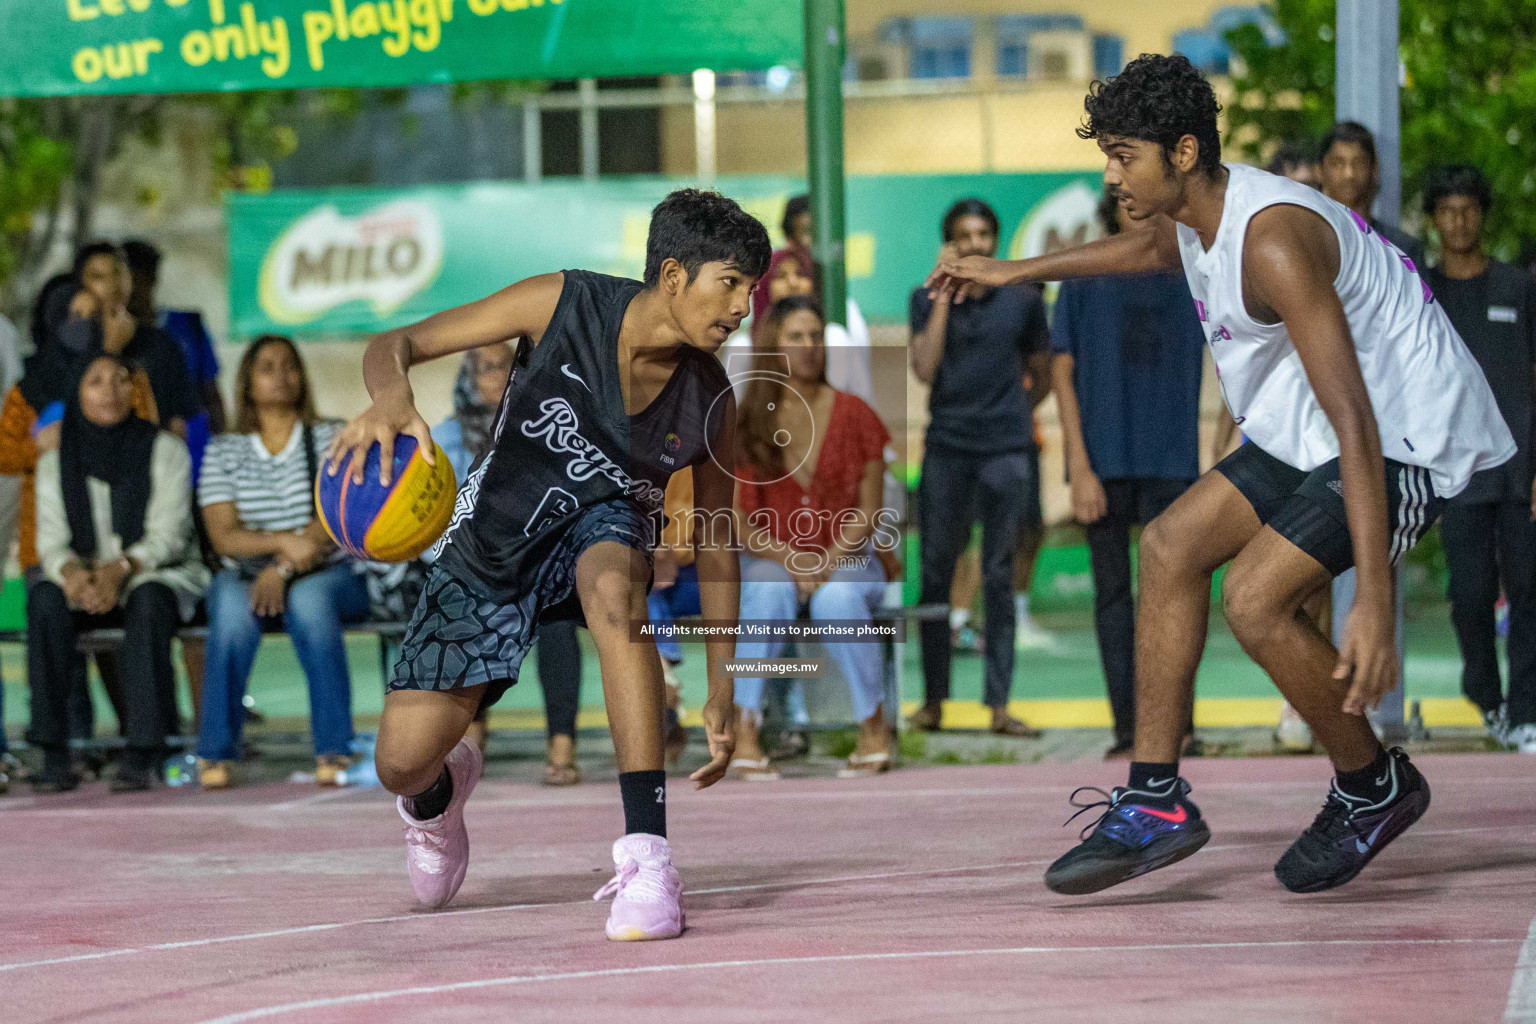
(1431, 401)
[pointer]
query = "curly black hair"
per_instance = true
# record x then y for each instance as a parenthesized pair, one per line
(1157, 99)
(1457, 180)
(696, 227)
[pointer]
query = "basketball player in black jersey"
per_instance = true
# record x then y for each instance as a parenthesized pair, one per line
(616, 387)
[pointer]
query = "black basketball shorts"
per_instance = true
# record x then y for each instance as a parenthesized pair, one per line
(459, 636)
(1307, 509)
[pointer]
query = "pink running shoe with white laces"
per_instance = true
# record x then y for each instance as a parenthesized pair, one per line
(646, 889)
(437, 850)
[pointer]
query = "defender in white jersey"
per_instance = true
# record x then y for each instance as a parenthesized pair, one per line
(1364, 411)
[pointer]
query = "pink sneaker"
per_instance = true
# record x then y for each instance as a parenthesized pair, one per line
(437, 850)
(646, 889)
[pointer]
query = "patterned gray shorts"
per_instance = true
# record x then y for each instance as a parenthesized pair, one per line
(460, 637)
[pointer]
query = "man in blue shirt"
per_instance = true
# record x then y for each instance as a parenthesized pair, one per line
(1126, 374)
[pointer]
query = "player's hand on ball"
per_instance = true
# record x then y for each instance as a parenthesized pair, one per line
(388, 417)
(720, 731)
(1368, 656)
(1089, 504)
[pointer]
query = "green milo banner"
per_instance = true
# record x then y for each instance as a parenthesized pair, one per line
(354, 261)
(66, 47)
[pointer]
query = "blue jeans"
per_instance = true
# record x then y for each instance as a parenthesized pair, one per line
(665, 604)
(317, 607)
(768, 592)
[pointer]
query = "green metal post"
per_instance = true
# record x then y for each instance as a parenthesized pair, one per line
(825, 47)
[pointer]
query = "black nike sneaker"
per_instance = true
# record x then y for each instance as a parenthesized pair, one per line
(1349, 831)
(1130, 839)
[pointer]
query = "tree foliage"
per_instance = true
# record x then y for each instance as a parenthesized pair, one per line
(1470, 95)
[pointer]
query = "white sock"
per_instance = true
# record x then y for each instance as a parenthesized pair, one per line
(958, 617)
(1021, 606)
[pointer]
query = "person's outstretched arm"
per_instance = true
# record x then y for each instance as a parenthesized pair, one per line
(714, 490)
(1146, 251)
(522, 310)
(1291, 256)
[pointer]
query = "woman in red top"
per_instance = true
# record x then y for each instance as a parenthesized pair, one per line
(811, 480)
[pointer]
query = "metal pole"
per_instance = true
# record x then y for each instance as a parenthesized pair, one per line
(1368, 76)
(824, 51)
(533, 140)
(1367, 79)
(704, 125)
(587, 90)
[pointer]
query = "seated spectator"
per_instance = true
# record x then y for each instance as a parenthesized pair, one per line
(117, 548)
(464, 437)
(809, 448)
(280, 567)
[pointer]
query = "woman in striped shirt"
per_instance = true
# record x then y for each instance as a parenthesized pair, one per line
(256, 492)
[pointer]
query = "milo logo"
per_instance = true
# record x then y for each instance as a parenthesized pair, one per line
(325, 259)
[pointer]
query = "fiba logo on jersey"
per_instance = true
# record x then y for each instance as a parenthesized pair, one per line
(383, 256)
(671, 444)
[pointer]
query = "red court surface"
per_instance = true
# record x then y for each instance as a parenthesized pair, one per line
(915, 897)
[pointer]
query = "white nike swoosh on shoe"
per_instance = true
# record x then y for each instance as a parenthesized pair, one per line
(1370, 840)
(565, 368)
(1159, 783)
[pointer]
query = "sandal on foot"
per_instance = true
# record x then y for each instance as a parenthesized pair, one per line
(864, 766)
(761, 770)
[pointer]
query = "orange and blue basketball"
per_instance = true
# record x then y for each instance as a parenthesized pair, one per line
(388, 523)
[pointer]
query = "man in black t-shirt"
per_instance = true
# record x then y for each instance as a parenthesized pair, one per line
(1489, 529)
(975, 347)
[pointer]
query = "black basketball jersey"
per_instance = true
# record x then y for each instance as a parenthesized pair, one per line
(564, 443)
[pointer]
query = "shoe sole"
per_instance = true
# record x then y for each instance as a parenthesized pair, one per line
(1386, 839)
(1095, 876)
(640, 935)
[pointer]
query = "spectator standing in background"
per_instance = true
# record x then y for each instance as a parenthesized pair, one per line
(1349, 174)
(186, 328)
(114, 533)
(1129, 354)
(797, 223)
(974, 347)
(1489, 529)
(1297, 162)
(464, 438)
(257, 493)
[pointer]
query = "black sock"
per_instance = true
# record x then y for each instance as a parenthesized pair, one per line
(645, 802)
(56, 762)
(1373, 782)
(433, 800)
(1157, 779)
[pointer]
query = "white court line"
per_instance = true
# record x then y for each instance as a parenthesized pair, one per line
(619, 972)
(1521, 1008)
(754, 795)
(787, 884)
(328, 926)
(322, 797)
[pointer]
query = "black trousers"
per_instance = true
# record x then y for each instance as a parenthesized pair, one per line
(1133, 502)
(956, 490)
(559, 654)
(1487, 544)
(149, 620)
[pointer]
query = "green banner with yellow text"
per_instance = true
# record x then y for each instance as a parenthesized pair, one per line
(358, 260)
(63, 47)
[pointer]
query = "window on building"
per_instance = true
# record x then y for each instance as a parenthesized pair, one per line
(1012, 32)
(1108, 56)
(941, 47)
